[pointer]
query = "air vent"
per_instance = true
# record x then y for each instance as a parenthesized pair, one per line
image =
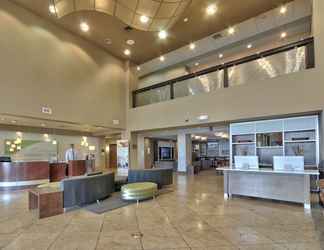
(217, 36)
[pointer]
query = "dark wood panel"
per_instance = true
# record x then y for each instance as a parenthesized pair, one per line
(28, 171)
(76, 168)
(57, 171)
(23, 171)
(112, 156)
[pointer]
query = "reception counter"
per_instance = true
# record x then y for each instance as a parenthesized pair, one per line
(291, 186)
(14, 175)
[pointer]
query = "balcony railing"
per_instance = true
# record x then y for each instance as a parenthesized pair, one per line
(283, 60)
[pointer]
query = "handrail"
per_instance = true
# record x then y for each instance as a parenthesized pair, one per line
(304, 42)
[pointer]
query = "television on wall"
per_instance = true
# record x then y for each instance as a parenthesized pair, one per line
(166, 153)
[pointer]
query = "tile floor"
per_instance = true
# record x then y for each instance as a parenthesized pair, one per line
(193, 216)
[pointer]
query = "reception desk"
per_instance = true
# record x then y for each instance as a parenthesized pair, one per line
(80, 167)
(15, 175)
(285, 185)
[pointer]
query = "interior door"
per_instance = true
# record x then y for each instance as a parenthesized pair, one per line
(112, 156)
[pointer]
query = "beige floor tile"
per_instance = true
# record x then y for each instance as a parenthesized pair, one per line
(75, 241)
(32, 241)
(6, 239)
(263, 247)
(244, 235)
(151, 241)
(118, 240)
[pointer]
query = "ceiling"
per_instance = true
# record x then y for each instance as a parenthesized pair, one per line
(103, 27)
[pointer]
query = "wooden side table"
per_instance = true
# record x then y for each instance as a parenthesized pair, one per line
(47, 201)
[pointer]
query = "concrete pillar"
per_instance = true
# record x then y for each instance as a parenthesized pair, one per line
(140, 152)
(184, 152)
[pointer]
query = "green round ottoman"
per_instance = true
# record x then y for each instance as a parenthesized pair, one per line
(139, 191)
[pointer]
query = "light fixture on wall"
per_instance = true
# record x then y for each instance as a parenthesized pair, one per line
(147, 15)
(162, 58)
(84, 26)
(192, 46)
(211, 9)
(283, 10)
(202, 117)
(231, 30)
(163, 34)
(92, 148)
(107, 148)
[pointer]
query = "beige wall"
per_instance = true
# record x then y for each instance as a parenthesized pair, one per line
(41, 64)
(288, 94)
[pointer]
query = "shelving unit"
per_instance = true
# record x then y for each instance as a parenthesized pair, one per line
(279, 137)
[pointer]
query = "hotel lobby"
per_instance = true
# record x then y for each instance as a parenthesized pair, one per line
(155, 124)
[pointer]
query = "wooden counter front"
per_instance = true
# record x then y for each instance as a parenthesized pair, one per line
(19, 174)
(77, 167)
(58, 171)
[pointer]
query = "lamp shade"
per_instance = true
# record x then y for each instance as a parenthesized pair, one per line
(147, 15)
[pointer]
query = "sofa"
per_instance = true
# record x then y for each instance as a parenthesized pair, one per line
(160, 176)
(81, 190)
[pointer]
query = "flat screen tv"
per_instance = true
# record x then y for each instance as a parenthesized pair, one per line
(166, 153)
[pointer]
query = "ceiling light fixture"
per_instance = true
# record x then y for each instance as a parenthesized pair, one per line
(51, 9)
(162, 58)
(197, 64)
(130, 42)
(138, 68)
(231, 30)
(211, 9)
(108, 41)
(163, 34)
(220, 55)
(13, 121)
(192, 46)
(283, 35)
(249, 46)
(127, 52)
(186, 19)
(151, 15)
(203, 117)
(43, 124)
(283, 10)
(84, 26)
(144, 19)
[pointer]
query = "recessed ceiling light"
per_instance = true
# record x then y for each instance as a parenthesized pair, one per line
(144, 19)
(130, 42)
(186, 19)
(283, 10)
(220, 55)
(162, 58)
(163, 34)
(231, 30)
(138, 68)
(211, 9)
(127, 52)
(84, 26)
(197, 64)
(108, 41)
(283, 35)
(51, 9)
(13, 121)
(43, 124)
(249, 46)
(192, 46)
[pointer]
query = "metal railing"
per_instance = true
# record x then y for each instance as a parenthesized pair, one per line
(286, 59)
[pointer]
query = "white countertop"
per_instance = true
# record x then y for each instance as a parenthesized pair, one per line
(271, 171)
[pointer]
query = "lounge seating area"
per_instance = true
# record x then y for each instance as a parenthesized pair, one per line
(86, 189)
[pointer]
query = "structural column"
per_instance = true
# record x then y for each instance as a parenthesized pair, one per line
(184, 152)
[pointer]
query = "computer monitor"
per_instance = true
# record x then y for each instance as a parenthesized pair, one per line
(246, 162)
(5, 159)
(294, 163)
